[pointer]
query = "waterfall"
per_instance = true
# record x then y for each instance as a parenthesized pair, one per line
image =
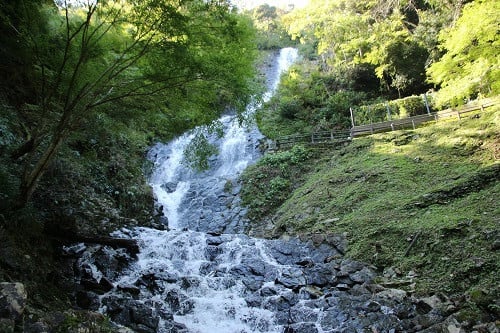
(204, 276)
(186, 196)
(213, 291)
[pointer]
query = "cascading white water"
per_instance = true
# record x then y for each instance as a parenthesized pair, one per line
(213, 297)
(171, 181)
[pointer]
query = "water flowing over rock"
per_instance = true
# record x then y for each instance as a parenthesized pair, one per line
(204, 275)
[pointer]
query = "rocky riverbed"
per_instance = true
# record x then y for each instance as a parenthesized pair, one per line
(278, 286)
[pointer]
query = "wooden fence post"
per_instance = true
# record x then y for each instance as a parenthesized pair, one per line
(388, 111)
(427, 104)
(352, 117)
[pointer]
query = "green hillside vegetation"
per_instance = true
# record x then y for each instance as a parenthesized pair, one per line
(422, 203)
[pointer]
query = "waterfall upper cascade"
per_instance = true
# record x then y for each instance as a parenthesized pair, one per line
(197, 200)
(205, 276)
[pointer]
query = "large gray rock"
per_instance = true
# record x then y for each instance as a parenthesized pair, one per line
(13, 298)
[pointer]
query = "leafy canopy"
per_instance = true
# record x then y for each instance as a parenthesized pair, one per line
(471, 62)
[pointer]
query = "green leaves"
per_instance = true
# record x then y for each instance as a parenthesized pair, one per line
(471, 63)
(169, 63)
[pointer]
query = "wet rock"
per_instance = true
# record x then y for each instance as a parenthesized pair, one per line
(268, 291)
(188, 282)
(74, 250)
(87, 300)
(173, 327)
(300, 314)
(151, 281)
(291, 277)
(254, 300)
(301, 328)
(169, 187)
(332, 319)
(144, 316)
(320, 275)
(140, 316)
(343, 286)
(111, 261)
(131, 289)
(305, 263)
(311, 292)
(212, 252)
(101, 285)
(254, 284)
(13, 299)
(178, 302)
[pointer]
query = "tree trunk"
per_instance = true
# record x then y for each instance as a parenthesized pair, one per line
(31, 178)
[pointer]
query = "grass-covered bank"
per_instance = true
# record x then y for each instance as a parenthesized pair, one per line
(422, 204)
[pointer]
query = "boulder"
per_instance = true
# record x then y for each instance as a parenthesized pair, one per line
(13, 298)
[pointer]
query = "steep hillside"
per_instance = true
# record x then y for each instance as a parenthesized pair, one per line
(421, 205)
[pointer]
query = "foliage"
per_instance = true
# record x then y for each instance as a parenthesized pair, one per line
(399, 38)
(289, 107)
(268, 183)
(308, 99)
(388, 110)
(270, 32)
(198, 152)
(178, 62)
(470, 64)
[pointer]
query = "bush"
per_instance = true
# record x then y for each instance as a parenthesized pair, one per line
(289, 108)
(408, 106)
(399, 108)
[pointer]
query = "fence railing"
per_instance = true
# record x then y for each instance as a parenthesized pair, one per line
(336, 137)
(413, 122)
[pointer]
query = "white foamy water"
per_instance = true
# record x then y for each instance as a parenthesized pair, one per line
(207, 274)
(171, 180)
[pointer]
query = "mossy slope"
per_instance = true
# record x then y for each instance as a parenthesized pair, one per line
(422, 202)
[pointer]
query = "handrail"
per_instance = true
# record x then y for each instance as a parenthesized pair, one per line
(342, 136)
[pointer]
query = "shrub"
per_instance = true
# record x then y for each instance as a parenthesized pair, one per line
(289, 108)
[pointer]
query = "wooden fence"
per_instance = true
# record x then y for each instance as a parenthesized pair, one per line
(337, 137)
(413, 122)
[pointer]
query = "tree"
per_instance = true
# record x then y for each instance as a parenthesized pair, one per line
(471, 62)
(267, 20)
(88, 57)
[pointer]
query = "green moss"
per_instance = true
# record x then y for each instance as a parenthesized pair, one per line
(438, 183)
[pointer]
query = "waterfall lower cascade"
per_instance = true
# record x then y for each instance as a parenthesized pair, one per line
(204, 276)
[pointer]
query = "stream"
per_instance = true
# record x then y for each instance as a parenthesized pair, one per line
(204, 275)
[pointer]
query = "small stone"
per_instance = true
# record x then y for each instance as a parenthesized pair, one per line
(396, 294)
(343, 286)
